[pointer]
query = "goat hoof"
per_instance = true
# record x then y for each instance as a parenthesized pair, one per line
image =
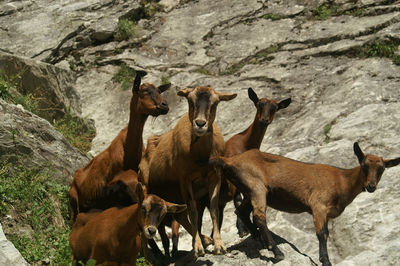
(207, 240)
(199, 252)
(219, 248)
(278, 254)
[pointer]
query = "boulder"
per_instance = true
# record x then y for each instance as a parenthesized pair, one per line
(31, 140)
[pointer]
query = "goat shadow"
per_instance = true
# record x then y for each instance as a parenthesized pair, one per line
(251, 247)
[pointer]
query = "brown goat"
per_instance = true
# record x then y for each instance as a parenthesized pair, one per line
(179, 162)
(248, 139)
(124, 152)
(113, 237)
(292, 186)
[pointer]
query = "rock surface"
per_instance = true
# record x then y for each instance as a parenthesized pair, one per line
(9, 255)
(31, 140)
(280, 48)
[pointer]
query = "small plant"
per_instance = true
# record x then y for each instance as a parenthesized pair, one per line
(125, 76)
(233, 68)
(5, 86)
(356, 12)
(165, 80)
(324, 11)
(273, 17)
(33, 194)
(75, 131)
(151, 7)
(204, 71)
(379, 48)
(125, 30)
(327, 129)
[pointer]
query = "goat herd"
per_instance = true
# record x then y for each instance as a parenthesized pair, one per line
(114, 216)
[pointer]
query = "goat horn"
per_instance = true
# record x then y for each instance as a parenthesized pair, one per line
(138, 79)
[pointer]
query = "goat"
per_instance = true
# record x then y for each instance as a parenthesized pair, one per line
(114, 235)
(120, 192)
(292, 186)
(124, 152)
(250, 138)
(180, 162)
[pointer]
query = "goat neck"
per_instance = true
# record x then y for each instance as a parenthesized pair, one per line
(254, 134)
(352, 184)
(133, 146)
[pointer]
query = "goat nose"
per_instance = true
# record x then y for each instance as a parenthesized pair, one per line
(164, 104)
(151, 230)
(200, 123)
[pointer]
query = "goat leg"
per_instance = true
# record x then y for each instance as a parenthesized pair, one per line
(323, 249)
(243, 212)
(266, 235)
(164, 240)
(214, 182)
(175, 237)
(241, 227)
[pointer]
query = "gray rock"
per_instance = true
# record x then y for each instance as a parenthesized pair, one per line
(50, 85)
(31, 140)
(9, 255)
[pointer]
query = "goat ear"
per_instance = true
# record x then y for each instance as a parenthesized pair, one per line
(175, 208)
(285, 103)
(358, 152)
(138, 79)
(164, 87)
(140, 191)
(184, 92)
(224, 96)
(391, 163)
(252, 95)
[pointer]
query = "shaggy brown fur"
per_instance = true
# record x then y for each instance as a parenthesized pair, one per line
(179, 162)
(292, 186)
(113, 237)
(124, 152)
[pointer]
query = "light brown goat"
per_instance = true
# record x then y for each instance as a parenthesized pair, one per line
(248, 139)
(113, 237)
(292, 186)
(124, 152)
(177, 168)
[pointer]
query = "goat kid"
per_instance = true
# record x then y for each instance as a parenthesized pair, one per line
(248, 139)
(179, 162)
(114, 236)
(124, 152)
(292, 186)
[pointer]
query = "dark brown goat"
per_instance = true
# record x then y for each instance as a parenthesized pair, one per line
(248, 139)
(113, 237)
(124, 152)
(292, 186)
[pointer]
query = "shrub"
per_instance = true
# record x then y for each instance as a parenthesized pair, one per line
(125, 30)
(125, 76)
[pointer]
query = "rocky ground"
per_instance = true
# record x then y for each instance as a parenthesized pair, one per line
(336, 60)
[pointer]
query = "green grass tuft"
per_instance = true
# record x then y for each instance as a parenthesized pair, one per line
(379, 48)
(75, 131)
(125, 30)
(273, 17)
(165, 80)
(125, 75)
(151, 7)
(324, 11)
